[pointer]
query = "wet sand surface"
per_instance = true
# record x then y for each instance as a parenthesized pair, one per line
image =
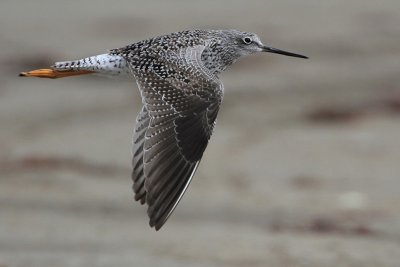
(302, 170)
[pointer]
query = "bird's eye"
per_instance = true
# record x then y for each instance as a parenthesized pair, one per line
(247, 40)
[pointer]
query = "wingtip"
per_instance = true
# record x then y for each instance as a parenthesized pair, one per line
(152, 225)
(156, 225)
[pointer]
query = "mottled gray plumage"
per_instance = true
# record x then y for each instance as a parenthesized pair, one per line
(177, 75)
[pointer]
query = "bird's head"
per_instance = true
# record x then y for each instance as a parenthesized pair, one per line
(246, 43)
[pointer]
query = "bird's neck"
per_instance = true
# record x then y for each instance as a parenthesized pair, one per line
(217, 58)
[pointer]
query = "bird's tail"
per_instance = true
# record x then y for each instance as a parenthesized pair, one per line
(103, 64)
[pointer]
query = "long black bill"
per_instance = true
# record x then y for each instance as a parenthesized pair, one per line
(278, 51)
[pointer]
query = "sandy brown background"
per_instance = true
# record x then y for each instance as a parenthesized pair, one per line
(303, 168)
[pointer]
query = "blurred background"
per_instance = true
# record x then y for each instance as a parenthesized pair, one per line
(303, 168)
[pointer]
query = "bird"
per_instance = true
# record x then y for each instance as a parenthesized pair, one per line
(178, 78)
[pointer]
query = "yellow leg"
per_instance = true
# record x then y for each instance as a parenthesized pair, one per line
(54, 74)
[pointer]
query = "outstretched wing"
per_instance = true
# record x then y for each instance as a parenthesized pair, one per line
(181, 100)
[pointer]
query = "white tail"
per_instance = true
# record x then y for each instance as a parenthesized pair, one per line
(102, 64)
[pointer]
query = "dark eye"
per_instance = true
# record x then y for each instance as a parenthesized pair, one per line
(247, 40)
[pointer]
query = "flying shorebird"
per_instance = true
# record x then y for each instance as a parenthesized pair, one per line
(177, 75)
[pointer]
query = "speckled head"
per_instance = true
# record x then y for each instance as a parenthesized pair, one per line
(226, 46)
(247, 43)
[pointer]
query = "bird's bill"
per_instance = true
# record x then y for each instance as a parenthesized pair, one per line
(281, 52)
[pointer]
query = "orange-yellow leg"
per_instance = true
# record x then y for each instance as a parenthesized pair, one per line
(54, 74)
